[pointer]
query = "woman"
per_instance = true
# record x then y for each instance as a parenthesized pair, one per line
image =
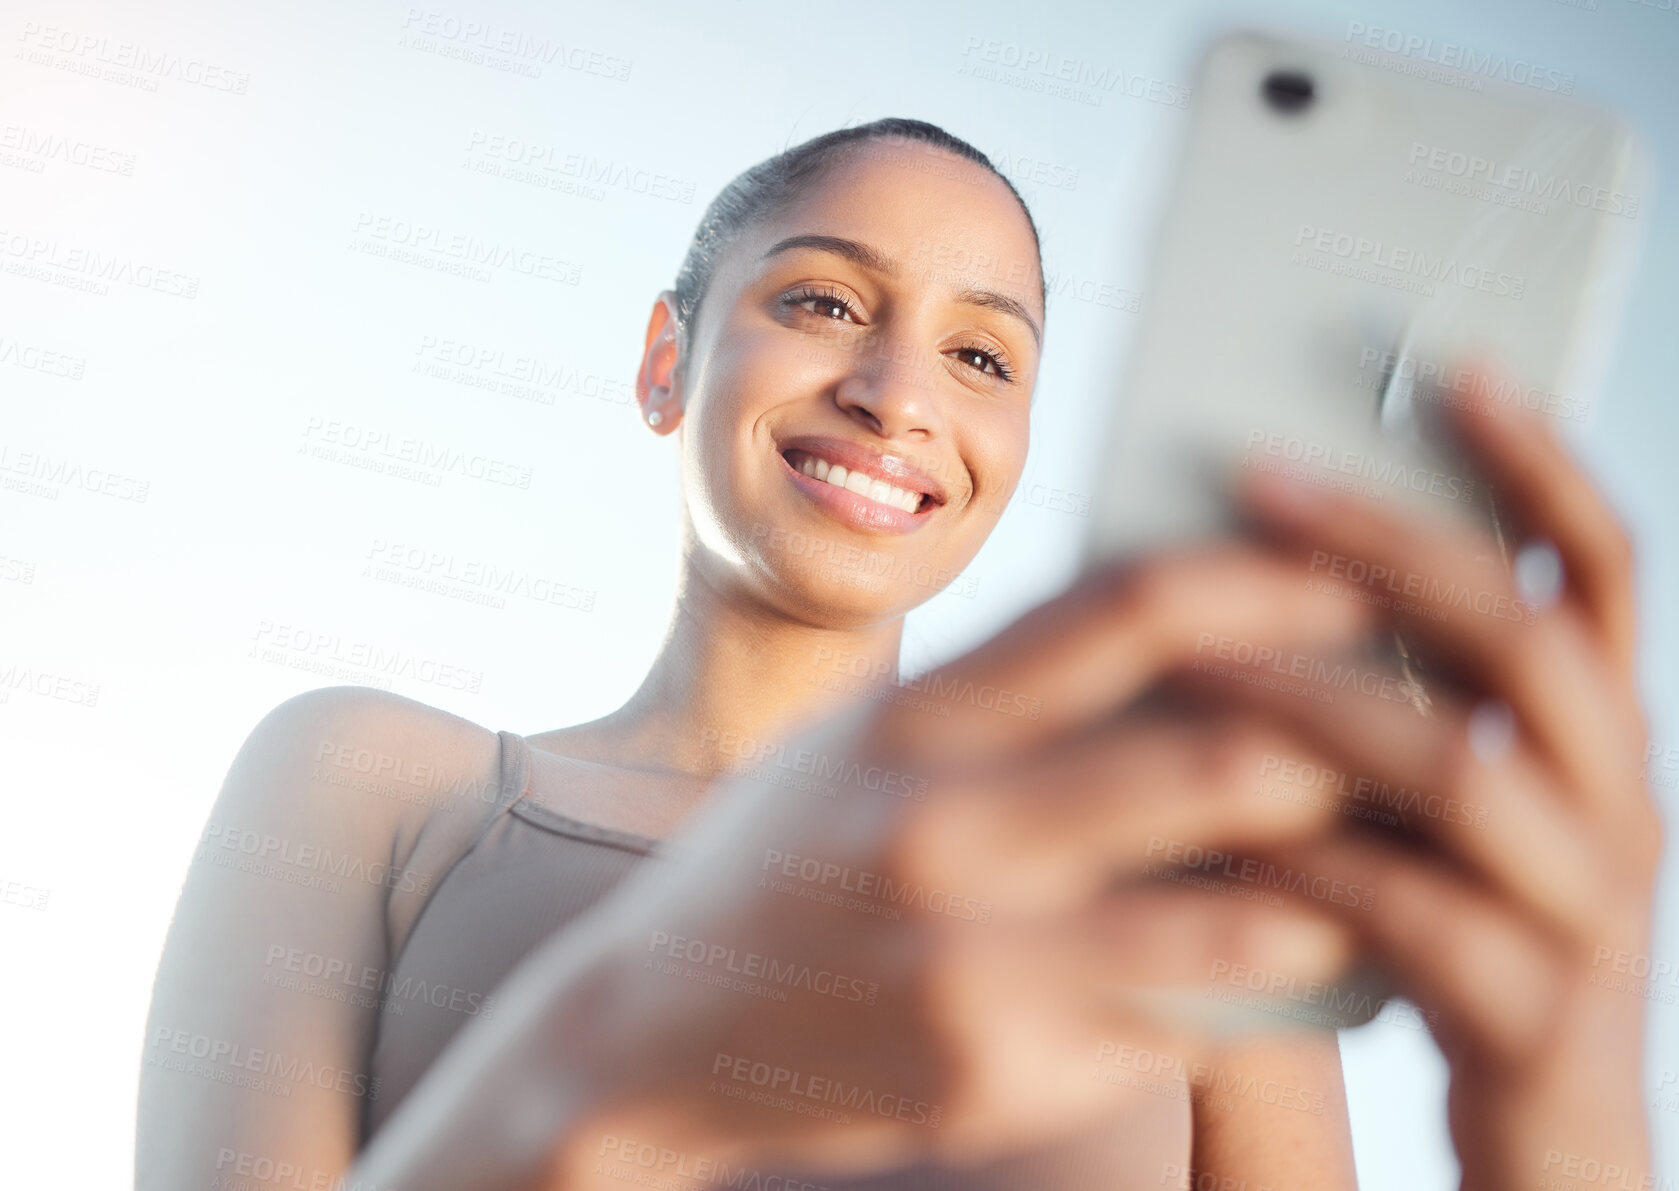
(424, 954)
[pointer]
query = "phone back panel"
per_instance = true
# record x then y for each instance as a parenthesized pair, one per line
(1321, 274)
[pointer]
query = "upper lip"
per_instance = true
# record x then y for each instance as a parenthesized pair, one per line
(894, 469)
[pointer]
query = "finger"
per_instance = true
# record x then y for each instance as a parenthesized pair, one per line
(1550, 496)
(1078, 657)
(1550, 670)
(1165, 953)
(1447, 944)
(1131, 956)
(1107, 1006)
(1490, 804)
(1048, 832)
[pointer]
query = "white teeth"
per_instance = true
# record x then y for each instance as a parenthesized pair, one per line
(862, 485)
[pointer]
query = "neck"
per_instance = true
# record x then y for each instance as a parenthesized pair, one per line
(732, 675)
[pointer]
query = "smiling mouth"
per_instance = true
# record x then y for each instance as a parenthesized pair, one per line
(859, 483)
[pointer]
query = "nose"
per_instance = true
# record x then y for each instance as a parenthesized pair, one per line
(891, 390)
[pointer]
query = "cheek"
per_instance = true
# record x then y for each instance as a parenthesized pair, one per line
(996, 450)
(725, 459)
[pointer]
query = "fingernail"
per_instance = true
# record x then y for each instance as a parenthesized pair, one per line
(1492, 730)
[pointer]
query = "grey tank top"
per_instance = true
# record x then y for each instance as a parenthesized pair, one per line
(527, 872)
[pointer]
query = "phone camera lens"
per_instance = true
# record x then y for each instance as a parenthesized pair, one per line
(1288, 91)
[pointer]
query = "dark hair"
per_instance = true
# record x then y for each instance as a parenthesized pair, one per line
(771, 183)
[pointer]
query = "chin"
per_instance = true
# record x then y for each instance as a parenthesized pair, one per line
(844, 597)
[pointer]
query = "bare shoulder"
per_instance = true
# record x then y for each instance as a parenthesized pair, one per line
(322, 847)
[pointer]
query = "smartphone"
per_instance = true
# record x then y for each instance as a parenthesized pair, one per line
(1345, 227)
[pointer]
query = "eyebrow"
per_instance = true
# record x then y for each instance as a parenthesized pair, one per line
(872, 259)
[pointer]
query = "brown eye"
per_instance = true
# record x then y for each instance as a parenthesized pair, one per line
(821, 302)
(984, 361)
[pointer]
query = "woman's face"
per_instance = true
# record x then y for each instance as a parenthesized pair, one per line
(886, 323)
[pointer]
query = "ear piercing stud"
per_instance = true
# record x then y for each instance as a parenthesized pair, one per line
(654, 418)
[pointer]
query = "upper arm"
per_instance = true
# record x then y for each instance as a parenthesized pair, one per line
(264, 1007)
(1274, 1115)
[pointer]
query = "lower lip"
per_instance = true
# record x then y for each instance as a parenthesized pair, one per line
(859, 512)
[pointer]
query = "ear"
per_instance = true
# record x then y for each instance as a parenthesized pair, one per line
(658, 382)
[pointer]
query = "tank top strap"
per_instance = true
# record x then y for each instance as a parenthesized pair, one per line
(468, 805)
(531, 810)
